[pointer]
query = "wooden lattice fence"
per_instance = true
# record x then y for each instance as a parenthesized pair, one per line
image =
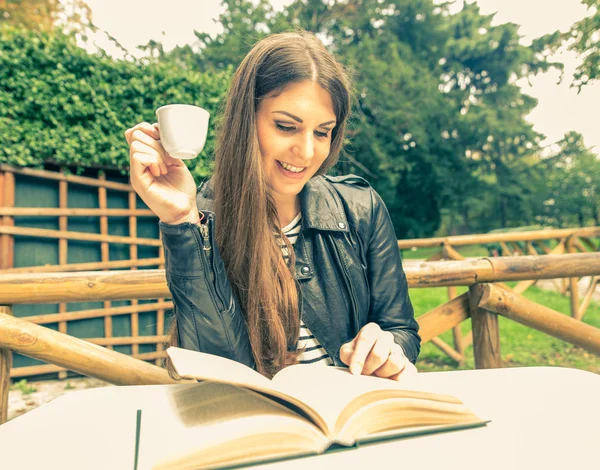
(52, 221)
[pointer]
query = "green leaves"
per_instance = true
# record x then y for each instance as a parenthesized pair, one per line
(585, 41)
(573, 184)
(58, 103)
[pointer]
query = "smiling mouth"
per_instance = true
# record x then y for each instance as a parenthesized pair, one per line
(294, 172)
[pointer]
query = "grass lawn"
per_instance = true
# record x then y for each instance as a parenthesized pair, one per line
(519, 345)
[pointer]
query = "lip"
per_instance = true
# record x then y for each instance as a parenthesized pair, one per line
(289, 174)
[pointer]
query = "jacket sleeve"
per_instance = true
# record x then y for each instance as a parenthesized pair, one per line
(209, 317)
(390, 306)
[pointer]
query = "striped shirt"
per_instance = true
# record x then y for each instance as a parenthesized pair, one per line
(313, 352)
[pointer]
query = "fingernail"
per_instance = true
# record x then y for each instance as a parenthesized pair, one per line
(355, 368)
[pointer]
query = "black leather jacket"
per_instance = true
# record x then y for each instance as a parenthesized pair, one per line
(347, 264)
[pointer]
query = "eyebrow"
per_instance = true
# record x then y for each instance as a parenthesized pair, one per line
(296, 118)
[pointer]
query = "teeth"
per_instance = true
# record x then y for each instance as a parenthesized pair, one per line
(291, 168)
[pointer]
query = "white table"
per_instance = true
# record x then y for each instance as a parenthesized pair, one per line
(542, 418)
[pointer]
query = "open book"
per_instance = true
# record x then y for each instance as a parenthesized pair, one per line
(237, 416)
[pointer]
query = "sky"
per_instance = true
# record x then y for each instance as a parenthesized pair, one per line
(560, 108)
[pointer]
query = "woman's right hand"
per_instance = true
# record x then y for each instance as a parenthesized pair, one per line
(164, 183)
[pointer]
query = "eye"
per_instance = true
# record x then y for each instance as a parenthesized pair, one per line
(322, 134)
(284, 128)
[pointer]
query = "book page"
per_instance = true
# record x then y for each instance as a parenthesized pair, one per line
(198, 365)
(329, 390)
(202, 366)
(207, 422)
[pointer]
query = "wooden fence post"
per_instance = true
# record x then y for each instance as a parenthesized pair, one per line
(5, 365)
(104, 250)
(486, 335)
(63, 254)
(133, 254)
(7, 199)
(160, 313)
(573, 282)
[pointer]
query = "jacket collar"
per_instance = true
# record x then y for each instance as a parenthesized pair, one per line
(322, 207)
(320, 204)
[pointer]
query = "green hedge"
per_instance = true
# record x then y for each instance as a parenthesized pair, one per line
(61, 105)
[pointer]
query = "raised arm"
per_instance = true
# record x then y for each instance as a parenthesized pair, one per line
(209, 318)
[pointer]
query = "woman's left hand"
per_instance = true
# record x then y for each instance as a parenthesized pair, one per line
(374, 352)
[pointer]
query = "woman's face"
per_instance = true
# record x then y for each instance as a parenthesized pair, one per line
(294, 134)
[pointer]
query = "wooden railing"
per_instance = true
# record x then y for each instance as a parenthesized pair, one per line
(509, 238)
(571, 240)
(482, 303)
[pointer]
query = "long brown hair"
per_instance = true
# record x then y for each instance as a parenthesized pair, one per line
(245, 213)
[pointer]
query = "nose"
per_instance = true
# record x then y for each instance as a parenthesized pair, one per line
(304, 148)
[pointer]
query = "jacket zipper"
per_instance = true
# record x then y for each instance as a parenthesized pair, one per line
(348, 284)
(205, 234)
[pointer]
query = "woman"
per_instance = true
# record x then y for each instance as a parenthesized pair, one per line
(281, 264)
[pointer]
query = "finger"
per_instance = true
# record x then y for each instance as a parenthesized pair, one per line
(128, 133)
(395, 364)
(149, 129)
(407, 373)
(152, 142)
(148, 139)
(140, 162)
(142, 142)
(145, 127)
(137, 146)
(168, 159)
(380, 352)
(362, 346)
(346, 352)
(163, 167)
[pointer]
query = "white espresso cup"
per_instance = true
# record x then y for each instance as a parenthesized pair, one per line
(183, 129)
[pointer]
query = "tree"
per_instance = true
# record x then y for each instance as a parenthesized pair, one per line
(584, 38)
(45, 15)
(573, 178)
(480, 68)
